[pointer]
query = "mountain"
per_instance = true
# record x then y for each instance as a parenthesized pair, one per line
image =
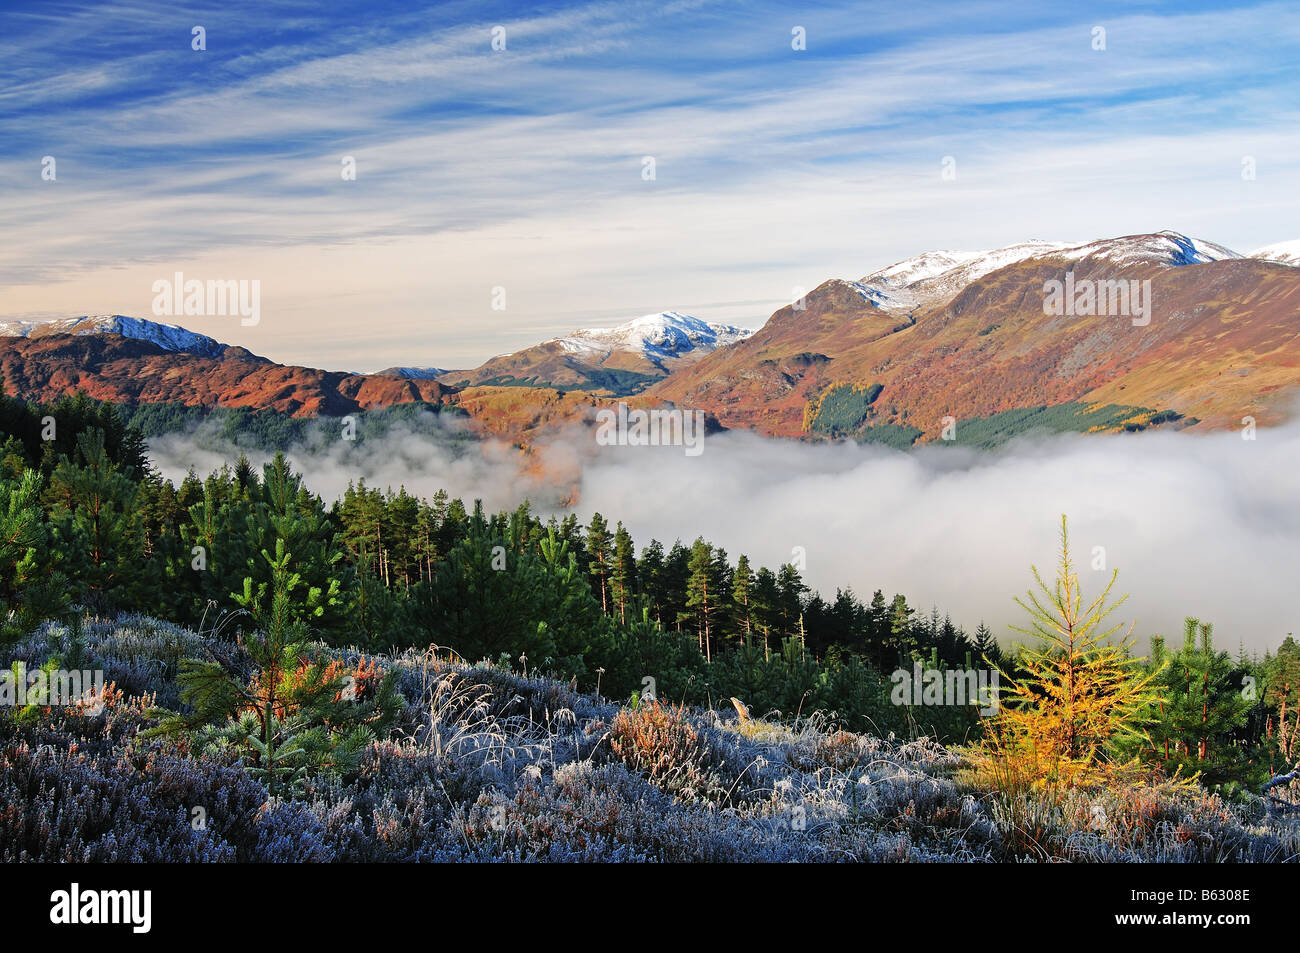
(168, 337)
(659, 338)
(135, 368)
(133, 361)
(619, 360)
(412, 373)
(1288, 253)
(947, 334)
(964, 335)
(935, 277)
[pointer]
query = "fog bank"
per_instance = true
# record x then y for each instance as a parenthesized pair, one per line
(1197, 525)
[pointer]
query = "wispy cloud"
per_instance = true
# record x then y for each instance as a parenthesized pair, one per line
(522, 168)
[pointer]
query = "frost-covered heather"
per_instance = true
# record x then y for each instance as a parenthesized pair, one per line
(487, 765)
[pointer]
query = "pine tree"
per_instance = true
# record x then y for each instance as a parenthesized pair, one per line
(215, 549)
(598, 549)
(700, 591)
(21, 532)
(283, 509)
(567, 609)
(361, 516)
(1282, 691)
(675, 576)
(901, 640)
(765, 598)
(94, 516)
(31, 588)
(878, 629)
(425, 542)
(1199, 707)
(296, 715)
(792, 589)
(623, 571)
(650, 572)
(986, 646)
(720, 583)
(376, 614)
(741, 582)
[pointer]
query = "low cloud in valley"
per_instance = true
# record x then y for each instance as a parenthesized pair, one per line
(1205, 525)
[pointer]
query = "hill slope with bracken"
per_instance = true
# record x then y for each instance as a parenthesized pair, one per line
(133, 361)
(964, 335)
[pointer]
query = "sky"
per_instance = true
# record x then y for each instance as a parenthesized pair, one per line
(524, 168)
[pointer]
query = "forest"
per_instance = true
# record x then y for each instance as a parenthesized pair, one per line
(88, 529)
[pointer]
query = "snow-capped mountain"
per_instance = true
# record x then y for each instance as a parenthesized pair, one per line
(896, 333)
(169, 337)
(1164, 248)
(935, 277)
(413, 373)
(622, 359)
(938, 275)
(966, 335)
(1288, 253)
(656, 337)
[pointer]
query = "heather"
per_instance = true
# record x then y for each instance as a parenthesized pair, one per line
(482, 762)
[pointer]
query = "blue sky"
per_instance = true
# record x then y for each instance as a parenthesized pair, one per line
(522, 168)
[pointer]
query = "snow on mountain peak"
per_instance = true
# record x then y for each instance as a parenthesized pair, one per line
(413, 373)
(935, 277)
(1287, 253)
(1167, 247)
(938, 275)
(655, 336)
(169, 337)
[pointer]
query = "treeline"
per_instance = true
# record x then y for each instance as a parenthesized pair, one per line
(88, 524)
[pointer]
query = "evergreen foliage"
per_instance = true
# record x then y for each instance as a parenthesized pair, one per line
(1201, 708)
(87, 526)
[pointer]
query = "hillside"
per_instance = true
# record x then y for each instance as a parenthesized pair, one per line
(110, 366)
(168, 337)
(482, 763)
(965, 334)
(135, 361)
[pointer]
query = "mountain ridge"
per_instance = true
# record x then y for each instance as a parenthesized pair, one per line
(618, 360)
(968, 349)
(169, 337)
(945, 334)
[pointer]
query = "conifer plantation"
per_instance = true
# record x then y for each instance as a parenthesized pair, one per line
(385, 677)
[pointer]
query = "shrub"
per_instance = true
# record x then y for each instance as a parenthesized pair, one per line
(658, 741)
